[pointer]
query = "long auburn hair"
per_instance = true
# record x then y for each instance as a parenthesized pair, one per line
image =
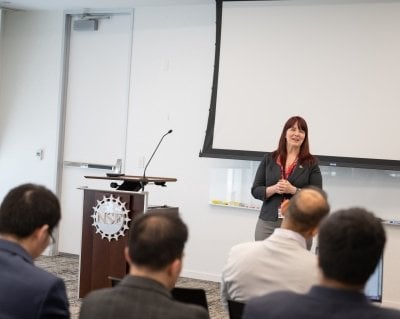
(305, 157)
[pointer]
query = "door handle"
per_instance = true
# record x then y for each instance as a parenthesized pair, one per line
(115, 168)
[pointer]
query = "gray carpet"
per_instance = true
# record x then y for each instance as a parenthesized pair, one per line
(66, 266)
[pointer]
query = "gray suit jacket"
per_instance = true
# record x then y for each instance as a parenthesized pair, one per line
(319, 303)
(137, 297)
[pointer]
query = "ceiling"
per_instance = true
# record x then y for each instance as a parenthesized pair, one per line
(91, 4)
(120, 4)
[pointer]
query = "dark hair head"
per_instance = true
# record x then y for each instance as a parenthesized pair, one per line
(28, 207)
(351, 242)
(304, 155)
(157, 239)
(307, 208)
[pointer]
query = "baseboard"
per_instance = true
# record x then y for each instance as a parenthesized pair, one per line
(68, 254)
(200, 275)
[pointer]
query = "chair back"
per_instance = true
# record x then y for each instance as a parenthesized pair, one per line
(114, 280)
(235, 309)
(191, 295)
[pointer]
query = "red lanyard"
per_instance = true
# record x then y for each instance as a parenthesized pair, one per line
(286, 173)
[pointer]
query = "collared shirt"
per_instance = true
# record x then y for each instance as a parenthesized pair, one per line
(287, 233)
(280, 262)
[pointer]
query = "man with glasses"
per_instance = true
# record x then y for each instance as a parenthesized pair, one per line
(28, 215)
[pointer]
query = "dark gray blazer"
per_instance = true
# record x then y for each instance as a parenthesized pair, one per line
(137, 297)
(269, 173)
(27, 291)
(318, 303)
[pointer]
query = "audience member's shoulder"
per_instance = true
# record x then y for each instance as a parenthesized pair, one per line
(274, 298)
(41, 276)
(246, 247)
(98, 293)
(99, 296)
(272, 304)
(276, 295)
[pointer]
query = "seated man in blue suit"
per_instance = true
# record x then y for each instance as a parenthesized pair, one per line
(154, 253)
(28, 215)
(351, 243)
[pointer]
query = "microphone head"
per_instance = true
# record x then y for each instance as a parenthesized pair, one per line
(170, 131)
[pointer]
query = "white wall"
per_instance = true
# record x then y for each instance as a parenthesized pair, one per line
(172, 65)
(173, 58)
(1, 31)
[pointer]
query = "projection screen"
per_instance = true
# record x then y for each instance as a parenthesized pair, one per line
(335, 63)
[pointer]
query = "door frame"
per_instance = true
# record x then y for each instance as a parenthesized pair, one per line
(52, 250)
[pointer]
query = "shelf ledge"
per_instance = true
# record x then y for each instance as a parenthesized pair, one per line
(235, 206)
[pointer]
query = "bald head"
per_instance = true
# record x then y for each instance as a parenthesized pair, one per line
(306, 209)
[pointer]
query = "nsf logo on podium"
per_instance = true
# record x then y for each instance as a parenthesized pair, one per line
(110, 218)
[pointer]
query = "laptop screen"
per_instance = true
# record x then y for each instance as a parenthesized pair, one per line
(373, 288)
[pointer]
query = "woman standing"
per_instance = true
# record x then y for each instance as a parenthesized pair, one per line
(282, 173)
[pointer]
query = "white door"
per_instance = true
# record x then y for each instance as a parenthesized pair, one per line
(96, 111)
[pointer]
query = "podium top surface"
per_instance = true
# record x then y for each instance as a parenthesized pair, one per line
(133, 178)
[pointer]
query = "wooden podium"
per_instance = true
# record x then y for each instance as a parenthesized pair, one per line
(107, 217)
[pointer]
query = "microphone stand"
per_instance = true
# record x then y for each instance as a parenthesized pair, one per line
(143, 181)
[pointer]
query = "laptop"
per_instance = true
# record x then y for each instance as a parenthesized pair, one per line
(191, 295)
(373, 288)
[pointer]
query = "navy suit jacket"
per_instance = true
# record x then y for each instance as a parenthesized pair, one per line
(269, 173)
(27, 291)
(319, 303)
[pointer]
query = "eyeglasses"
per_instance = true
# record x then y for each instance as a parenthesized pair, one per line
(52, 239)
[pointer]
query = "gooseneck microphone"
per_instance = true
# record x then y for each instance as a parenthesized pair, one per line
(155, 150)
